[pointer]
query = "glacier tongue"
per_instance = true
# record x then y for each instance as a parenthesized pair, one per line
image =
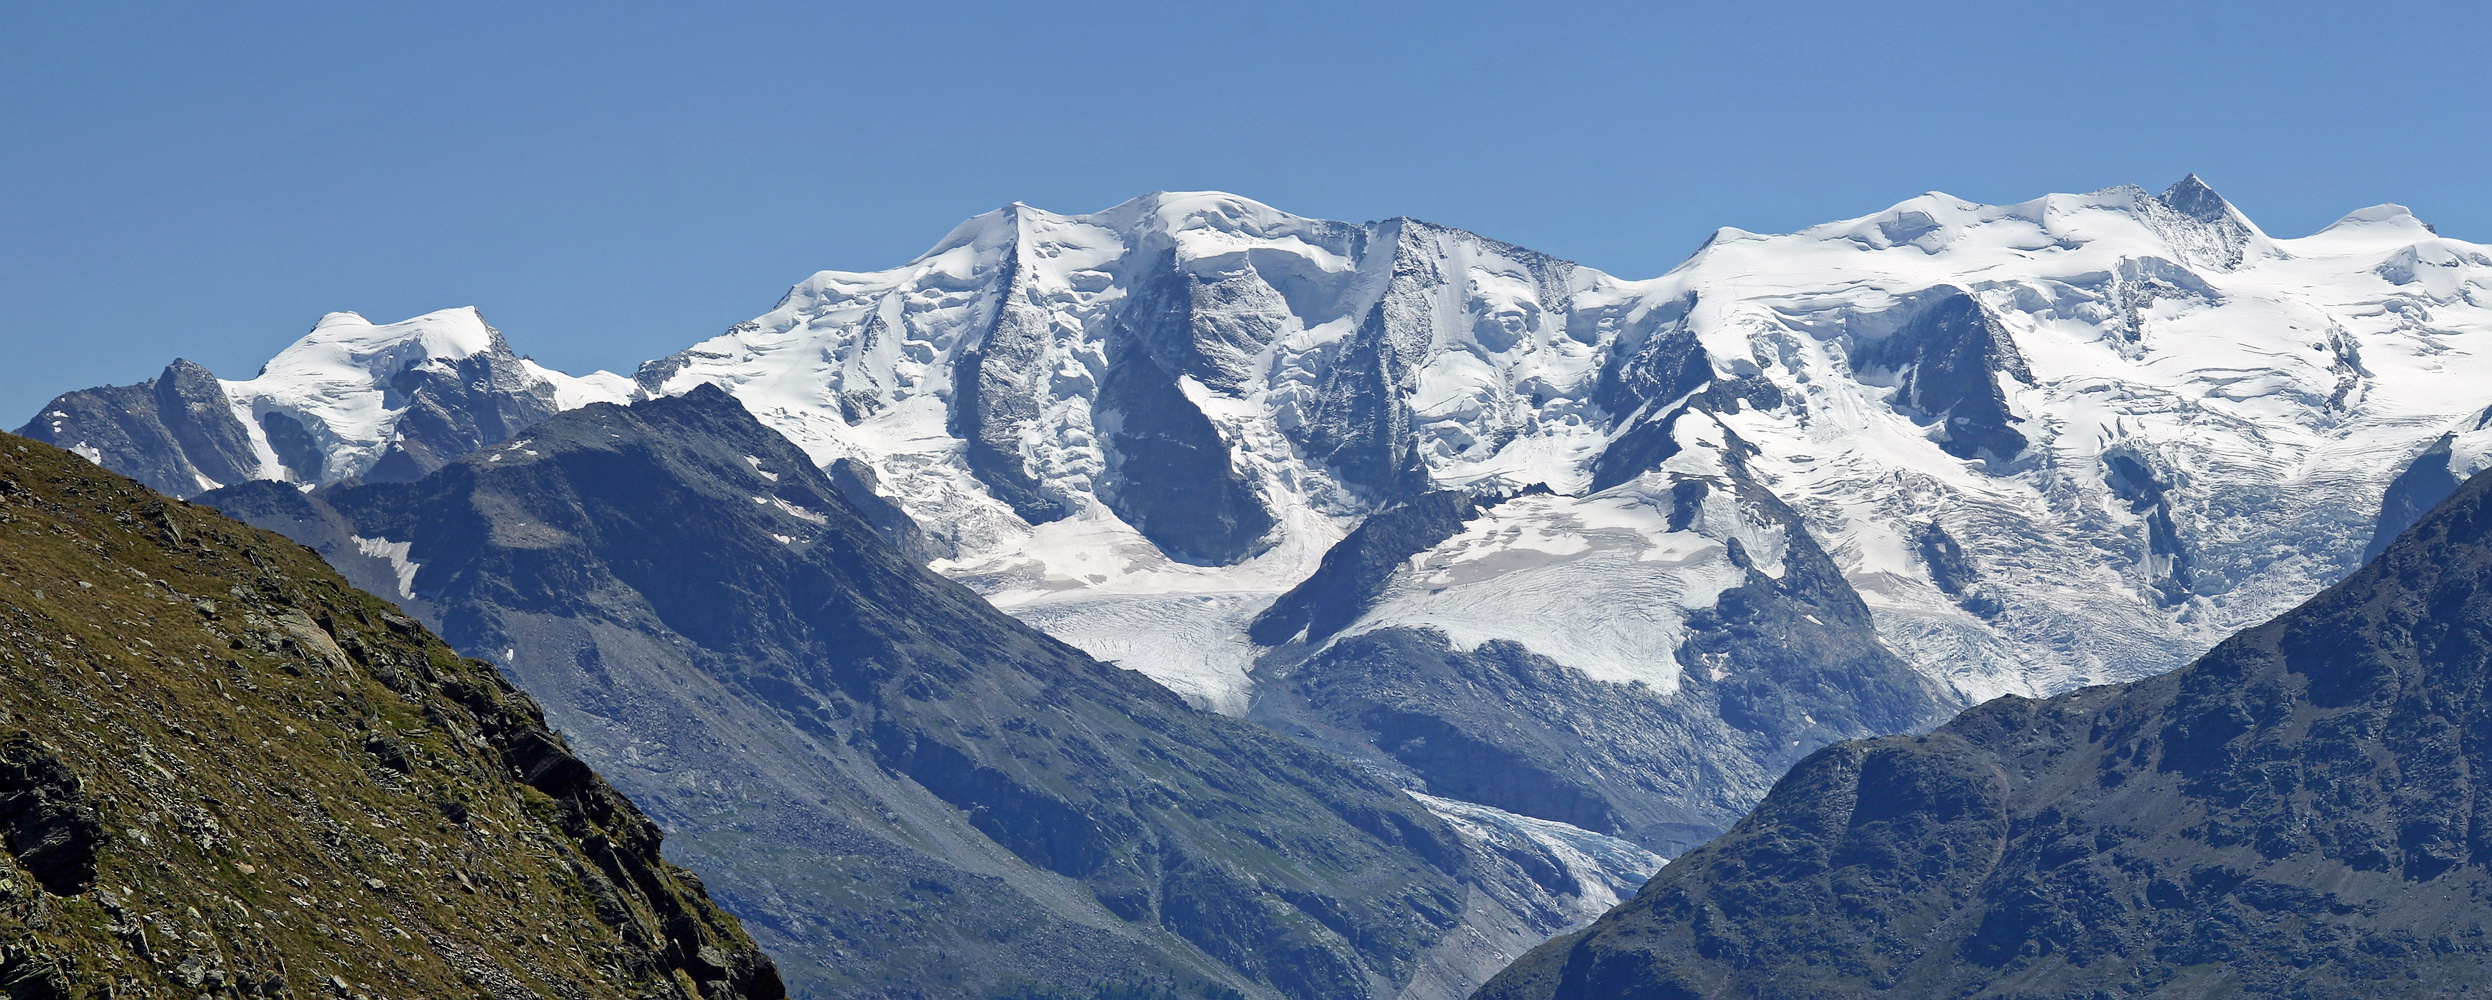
(1609, 870)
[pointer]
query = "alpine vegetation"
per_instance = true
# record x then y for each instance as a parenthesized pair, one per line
(227, 773)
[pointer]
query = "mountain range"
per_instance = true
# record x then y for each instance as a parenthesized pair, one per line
(1583, 563)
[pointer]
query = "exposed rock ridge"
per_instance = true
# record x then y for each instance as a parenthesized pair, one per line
(176, 432)
(1946, 362)
(1355, 569)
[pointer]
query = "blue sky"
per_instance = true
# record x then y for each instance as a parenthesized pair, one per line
(182, 179)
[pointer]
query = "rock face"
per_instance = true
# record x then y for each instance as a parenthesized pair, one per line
(177, 432)
(2295, 814)
(50, 827)
(904, 791)
(1946, 362)
(225, 772)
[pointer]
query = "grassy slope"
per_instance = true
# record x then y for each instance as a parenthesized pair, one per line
(235, 774)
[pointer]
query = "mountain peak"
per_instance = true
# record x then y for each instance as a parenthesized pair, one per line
(2193, 198)
(2204, 229)
(447, 333)
(2389, 222)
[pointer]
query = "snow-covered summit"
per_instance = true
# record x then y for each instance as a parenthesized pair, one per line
(2189, 222)
(345, 339)
(350, 398)
(334, 404)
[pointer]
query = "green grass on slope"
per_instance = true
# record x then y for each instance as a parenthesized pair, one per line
(225, 772)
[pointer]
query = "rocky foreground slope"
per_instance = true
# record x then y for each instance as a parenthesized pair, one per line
(224, 772)
(2300, 813)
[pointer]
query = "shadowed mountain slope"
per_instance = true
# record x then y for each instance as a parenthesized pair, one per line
(2300, 813)
(904, 791)
(224, 772)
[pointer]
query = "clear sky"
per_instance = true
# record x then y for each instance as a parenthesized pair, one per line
(609, 186)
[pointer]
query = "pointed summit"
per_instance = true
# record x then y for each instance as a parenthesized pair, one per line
(2193, 198)
(2203, 229)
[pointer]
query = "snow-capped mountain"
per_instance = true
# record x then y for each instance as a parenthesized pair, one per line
(2142, 422)
(1168, 411)
(2068, 440)
(1802, 487)
(350, 399)
(2062, 442)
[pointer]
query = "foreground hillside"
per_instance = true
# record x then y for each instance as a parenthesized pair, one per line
(225, 772)
(2301, 813)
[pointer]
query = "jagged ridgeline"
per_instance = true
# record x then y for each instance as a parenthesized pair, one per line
(2301, 813)
(226, 773)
